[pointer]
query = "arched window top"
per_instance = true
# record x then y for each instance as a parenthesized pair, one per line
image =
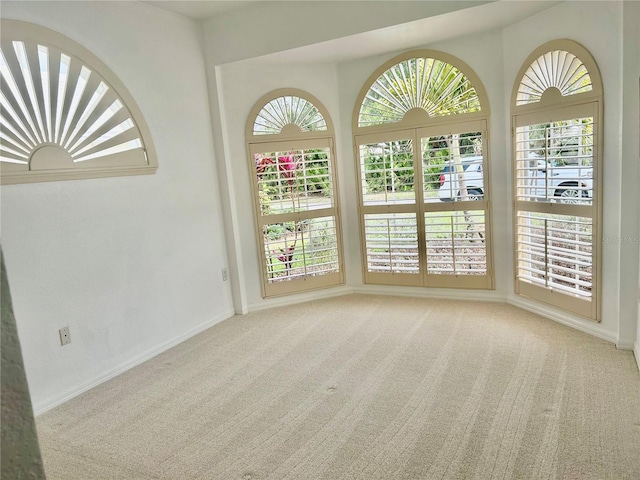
(64, 114)
(419, 82)
(288, 112)
(561, 68)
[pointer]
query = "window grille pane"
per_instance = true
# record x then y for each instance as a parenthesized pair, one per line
(554, 162)
(432, 85)
(453, 167)
(556, 252)
(300, 249)
(387, 172)
(294, 181)
(456, 243)
(392, 243)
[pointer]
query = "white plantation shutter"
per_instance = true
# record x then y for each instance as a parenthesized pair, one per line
(64, 114)
(556, 251)
(288, 110)
(557, 69)
(420, 138)
(392, 243)
(291, 158)
(557, 170)
(455, 243)
(411, 235)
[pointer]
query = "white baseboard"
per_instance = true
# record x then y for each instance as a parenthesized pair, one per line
(636, 351)
(421, 292)
(52, 402)
(625, 345)
(300, 298)
(592, 328)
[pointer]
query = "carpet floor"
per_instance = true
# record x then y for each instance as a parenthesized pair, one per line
(361, 387)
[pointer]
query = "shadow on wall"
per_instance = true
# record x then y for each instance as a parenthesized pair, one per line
(20, 449)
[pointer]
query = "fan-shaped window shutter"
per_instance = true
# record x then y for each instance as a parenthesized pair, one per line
(63, 113)
(557, 69)
(420, 131)
(291, 159)
(557, 165)
(288, 110)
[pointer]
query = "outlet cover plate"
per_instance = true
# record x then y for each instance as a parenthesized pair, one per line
(65, 336)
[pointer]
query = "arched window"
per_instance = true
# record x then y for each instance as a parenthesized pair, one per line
(420, 131)
(63, 113)
(290, 141)
(556, 110)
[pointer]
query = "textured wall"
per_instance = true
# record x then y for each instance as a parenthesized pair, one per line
(20, 450)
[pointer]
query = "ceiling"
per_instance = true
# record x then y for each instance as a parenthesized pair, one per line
(483, 17)
(497, 14)
(203, 9)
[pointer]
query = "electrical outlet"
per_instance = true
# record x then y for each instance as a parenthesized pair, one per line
(225, 275)
(65, 336)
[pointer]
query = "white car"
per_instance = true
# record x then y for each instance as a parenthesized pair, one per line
(473, 178)
(547, 180)
(541, 182)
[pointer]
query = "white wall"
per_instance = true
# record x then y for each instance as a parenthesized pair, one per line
(598, 27)
(630, 173)
(631, 151)
(133, 264)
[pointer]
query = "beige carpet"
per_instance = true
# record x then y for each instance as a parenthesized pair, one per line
(362, 387)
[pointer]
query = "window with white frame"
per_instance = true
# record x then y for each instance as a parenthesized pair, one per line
(557, 168)
(420, 134)
(63, 113)
(290, 141)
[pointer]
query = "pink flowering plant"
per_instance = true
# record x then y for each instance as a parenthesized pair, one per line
(278, 175)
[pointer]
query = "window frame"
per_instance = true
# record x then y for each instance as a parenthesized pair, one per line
(416, 125)
(553, 107)
(292, 138)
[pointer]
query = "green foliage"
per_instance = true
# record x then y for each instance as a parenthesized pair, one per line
(391, 174)
(265, 201)
(433, 85)
(561, 142)
(387, 172)
(317, 172)
(276, 231)
(438, 154)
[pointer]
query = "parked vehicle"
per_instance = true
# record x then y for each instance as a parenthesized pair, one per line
(544, 181)
(473, 178)
(565, 183)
